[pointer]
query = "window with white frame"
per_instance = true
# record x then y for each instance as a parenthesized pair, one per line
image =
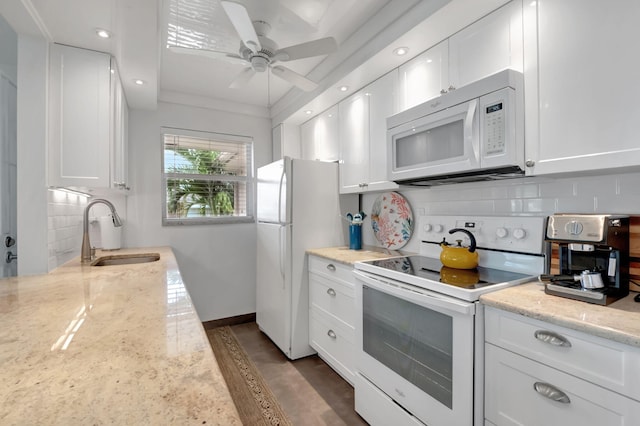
(206, 177)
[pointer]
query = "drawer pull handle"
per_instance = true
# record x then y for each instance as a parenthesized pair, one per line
(331, 267)
(549, 391)
(331, 334)
(552, 338)
(331, 292)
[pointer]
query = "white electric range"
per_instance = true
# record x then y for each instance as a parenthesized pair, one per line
(419, 328)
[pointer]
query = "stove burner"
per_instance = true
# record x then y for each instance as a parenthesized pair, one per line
(433, 270)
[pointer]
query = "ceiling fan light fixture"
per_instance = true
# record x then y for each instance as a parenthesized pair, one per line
(259, 63)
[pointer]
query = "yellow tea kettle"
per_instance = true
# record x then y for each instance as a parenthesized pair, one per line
(458, 256)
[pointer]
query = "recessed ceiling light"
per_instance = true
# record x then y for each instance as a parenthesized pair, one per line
(103, 33)
(400, 51)
(343, 88)
(308, 112)
(139, 82)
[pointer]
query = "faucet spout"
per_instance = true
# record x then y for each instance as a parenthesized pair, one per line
(85, 252)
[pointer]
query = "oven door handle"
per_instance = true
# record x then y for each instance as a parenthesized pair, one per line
(420, 295)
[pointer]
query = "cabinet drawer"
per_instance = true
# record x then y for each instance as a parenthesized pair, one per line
(603, 362)
(333, 296)
(334, 343)
(512, 399)
(331, 269)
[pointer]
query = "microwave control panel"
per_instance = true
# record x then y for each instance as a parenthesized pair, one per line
(494, 128)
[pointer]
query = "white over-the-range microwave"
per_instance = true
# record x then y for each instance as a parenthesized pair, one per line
(473, 133)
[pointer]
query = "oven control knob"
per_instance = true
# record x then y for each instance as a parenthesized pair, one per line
(519, 233)
(438, 228)
(501, 232)
(427, 227)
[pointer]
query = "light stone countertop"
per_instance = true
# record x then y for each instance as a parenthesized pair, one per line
(619, 321)
(349, 257)
(118, 345)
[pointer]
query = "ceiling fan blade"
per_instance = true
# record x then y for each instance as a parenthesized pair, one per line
(294, 78)
(239, 17)
(321, 46)
(228, 57)
(242, 78)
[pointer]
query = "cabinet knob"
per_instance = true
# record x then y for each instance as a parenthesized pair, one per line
(549, 391)
(331, 292)
(331, 334)
(331, 267)
(552, 338)
(529, 163)
(443, 91)
(451, 87)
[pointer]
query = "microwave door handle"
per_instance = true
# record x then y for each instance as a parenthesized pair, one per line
(469, 124)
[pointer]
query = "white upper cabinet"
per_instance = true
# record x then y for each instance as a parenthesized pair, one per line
(485, 47)
(423, 77)
(489, 45)
(320, 137)
(286, 141)
(586, 104)
(363, 133)
(87, 120)
(119, 132)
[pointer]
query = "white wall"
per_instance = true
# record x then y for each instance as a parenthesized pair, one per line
(32, 156)
(616, 193)
(217, 262)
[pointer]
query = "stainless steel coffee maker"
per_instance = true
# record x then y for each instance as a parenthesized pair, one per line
(593, 257)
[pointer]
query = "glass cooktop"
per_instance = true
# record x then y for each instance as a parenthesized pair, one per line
(433, 270)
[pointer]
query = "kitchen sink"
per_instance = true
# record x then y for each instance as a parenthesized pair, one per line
(126, 259)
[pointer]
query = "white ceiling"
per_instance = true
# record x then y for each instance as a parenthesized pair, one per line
(366, 32)
(139, 40)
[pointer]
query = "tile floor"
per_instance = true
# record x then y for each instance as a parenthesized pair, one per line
(308, 390)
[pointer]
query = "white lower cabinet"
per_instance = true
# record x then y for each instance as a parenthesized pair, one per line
(537, 373)
(331, 314)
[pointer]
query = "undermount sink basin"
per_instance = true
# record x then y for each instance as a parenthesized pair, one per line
(126, 259)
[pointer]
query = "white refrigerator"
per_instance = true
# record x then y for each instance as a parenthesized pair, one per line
(298, 207)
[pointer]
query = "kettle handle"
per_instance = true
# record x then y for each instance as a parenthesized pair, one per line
(472, 246)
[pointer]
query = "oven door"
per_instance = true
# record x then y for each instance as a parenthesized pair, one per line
(441, 143)
(417, 346)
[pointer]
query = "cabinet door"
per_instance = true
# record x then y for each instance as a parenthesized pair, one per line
(424, 76)
(79, 117)
(119, 137)
(286, 141)
(588, 105)
(520, 391)
(320, 136)
(307, 140)
(383, 99)
(487, 46)
(354, 142)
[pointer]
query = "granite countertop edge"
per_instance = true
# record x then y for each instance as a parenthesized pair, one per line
(108, 345)
(619, 321)
(344, 255)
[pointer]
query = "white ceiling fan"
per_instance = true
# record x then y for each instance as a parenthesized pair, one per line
(260, 52)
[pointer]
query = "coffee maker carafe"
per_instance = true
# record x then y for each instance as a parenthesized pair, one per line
(593, 257)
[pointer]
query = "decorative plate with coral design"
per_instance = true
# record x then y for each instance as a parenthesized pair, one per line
(392, 220)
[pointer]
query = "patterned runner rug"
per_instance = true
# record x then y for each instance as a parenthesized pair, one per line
(254, 401)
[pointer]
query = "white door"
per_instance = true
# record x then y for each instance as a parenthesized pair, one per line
(8, 169)
(273, 295)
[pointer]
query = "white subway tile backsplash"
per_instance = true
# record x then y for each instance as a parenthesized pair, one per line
(64, 226)
(629, 184)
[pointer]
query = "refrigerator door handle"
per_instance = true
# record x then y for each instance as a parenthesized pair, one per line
(280, 195)
(281, 247)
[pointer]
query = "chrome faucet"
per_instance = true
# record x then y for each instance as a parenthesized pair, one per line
(86, 245)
